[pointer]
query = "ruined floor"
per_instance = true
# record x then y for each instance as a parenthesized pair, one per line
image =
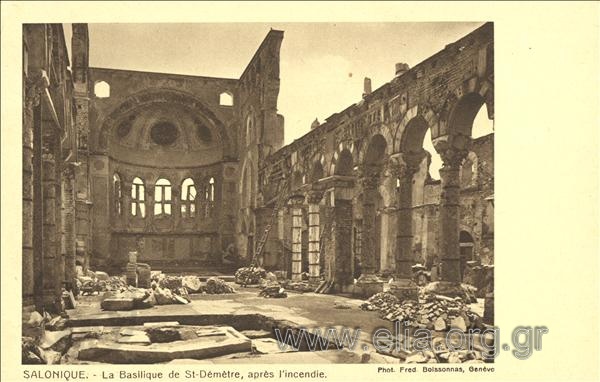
(245, 312)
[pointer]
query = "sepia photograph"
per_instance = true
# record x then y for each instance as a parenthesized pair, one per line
(299, 191)
(192, 197)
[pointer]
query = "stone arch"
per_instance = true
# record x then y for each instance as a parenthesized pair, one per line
(376, 151)
(349, 152)
(163, 96)
(344, 163)
(417, 112)
(317, 172)
(464, 103)
(413, 135)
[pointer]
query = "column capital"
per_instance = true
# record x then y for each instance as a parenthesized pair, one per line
(296, 200)
(405, 165)
(314, 196)
(369, 176)
(36, 83)
(453, 149)
(68, 171)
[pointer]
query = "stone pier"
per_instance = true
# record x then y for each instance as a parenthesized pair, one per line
(51, 283)
(296, 202)
(453, 150)
(314, 235)
(403, 285)
(368, 283)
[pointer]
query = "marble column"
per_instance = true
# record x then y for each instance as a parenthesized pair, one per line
(68, 222)
(453, 150)
(32, 106)
(405, 166)
(450, 215)
(296, 202)
(314, 235)
(368, 283)
(50, 249)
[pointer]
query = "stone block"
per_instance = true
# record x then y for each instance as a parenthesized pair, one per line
(57, 340)
(117, 304)
(255, 334)
(131, 332)
(159, 324)
(87, 329)
(270, 346)
(200, 348)
(141, 339)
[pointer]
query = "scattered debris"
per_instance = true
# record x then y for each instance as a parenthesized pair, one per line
(341, 305)
(93, 285)
(57, 323)
(434, 312)
(171, 282)
(191, 283)
(299, 286)
(215, 285)
(31, 354)
(250, 275)
(274, 291)
(58, 340)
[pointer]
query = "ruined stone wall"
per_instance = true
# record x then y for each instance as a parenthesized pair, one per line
(476, 212)
(442, 94)
(49, 150)
(161, 126)
(260, 133)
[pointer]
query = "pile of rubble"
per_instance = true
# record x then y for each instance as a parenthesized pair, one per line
(273, 291)
(250, 275)
(129, 298)
(164, 290)
(434, 312)
(192, 284)
(96, 282)
(39, 345)
(215, 285)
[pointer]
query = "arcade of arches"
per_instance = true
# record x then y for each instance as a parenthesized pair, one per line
(186, 170)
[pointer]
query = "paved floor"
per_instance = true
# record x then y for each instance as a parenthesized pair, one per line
(307, 310)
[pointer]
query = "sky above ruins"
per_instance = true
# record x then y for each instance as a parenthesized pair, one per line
(323, 65)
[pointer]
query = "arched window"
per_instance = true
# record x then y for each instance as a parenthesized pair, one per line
(226, 99)
(249, 128)
(138, 206)
(162, 197)
(117, 194)
(188, 198)
(102, 89)
(209, 198)
(210, 190)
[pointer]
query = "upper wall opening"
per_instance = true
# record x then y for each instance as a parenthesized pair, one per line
(102, 89)
(226, 99)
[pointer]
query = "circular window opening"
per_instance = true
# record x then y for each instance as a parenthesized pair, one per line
(164, 133)
(125, 127)
(204, 133)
